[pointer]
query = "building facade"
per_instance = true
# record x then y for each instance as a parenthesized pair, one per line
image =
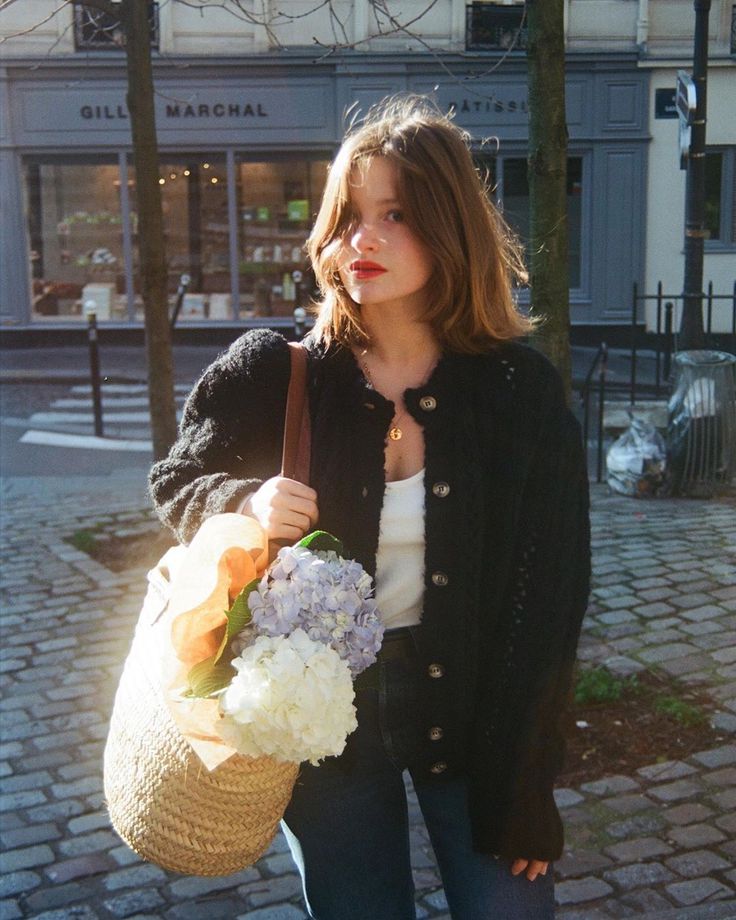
(248, 119)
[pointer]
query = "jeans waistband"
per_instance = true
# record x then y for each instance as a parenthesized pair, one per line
(397, 645)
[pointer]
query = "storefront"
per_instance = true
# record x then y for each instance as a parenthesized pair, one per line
(244, 150)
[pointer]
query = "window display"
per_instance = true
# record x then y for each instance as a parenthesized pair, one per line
(194, 190)
(76, 215)
(76, 239)
(277, 202)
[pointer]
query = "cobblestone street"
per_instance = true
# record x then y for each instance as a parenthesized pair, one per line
(658, 843)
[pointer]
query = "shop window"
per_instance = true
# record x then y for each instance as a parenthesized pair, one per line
(194, 201)
(277, 203)
(95, 30)
(76, 239)
(720, 198)
(512, 194)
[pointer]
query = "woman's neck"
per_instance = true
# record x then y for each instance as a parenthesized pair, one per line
(400, 343)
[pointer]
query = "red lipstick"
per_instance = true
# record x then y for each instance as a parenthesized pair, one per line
(364, 269)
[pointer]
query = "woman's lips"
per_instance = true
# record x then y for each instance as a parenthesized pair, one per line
(363, 270)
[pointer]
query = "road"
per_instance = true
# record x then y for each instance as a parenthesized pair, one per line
(47, 440)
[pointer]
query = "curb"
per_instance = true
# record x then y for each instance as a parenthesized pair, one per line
(716, 910)
(9, 375)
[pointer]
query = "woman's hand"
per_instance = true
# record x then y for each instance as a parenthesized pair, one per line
(285, 509)
(535, 867)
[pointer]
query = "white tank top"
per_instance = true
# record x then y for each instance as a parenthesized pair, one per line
(400, 557)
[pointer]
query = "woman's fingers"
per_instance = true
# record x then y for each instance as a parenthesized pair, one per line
(297, 500)
(283, 524)
(285, 508)
(534, 867)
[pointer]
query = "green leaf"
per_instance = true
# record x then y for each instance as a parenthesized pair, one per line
(321, 541)
(238, 617)
(207, 677)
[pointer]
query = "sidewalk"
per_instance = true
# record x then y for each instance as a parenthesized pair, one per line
(660, 844)
(123, 363)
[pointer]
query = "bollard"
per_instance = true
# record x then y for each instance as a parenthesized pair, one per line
(184, 283)
(90, 308)
(300, 319)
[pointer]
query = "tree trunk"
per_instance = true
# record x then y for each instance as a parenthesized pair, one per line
(547, 171)
(151, 245)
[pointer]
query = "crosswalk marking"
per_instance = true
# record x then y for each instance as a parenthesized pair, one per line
(89, 442)
(131, 389)
(119, 402)
(125, 416)
(84, 418)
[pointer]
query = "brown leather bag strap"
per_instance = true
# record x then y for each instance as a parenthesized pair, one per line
(297, 429)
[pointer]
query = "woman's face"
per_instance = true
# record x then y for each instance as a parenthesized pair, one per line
(381, 261)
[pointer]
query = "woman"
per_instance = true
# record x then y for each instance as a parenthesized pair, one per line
(445, 458)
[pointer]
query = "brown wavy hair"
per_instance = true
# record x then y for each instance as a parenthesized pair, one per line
(446, 203)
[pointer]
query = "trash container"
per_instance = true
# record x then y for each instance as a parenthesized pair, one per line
(701, 430)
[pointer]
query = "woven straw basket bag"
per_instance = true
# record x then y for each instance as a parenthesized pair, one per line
(162, 801)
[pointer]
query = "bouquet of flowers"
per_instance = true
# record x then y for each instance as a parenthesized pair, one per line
(285, 656)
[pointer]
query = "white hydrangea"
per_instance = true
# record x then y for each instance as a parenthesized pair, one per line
(291, 699)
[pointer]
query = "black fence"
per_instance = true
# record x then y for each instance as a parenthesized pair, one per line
(663, 340)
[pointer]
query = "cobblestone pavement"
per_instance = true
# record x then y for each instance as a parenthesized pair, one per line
(660, 843)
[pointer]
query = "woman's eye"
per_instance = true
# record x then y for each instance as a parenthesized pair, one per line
(395, 216)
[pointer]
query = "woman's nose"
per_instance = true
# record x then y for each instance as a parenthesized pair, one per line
(364, 238)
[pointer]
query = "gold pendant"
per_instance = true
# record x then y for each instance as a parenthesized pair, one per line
(395, 434)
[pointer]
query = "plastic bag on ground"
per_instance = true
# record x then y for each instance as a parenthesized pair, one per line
(636, 463)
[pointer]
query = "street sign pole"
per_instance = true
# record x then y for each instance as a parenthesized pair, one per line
(692, 335)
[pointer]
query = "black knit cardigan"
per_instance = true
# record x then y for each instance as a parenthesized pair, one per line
(507, 544)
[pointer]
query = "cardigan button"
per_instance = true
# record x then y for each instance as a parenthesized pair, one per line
(435, 733)
(438, 767)
(441, 489)
(364, 492)
(428, 403)
(439, 579)
(435, 671)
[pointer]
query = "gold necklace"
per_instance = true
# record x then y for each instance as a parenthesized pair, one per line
(395, 433)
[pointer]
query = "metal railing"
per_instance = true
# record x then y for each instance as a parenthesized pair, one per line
(665, 333)
(665, 345)
(600, 361)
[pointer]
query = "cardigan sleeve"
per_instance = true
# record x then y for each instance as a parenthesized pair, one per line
(545, 605)
(563, 575)
(230, 434)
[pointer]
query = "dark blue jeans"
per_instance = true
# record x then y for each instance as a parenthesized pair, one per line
(348, 829)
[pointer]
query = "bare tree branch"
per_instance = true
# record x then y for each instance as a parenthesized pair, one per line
(36, 25)
(104, 6)
(233, 7)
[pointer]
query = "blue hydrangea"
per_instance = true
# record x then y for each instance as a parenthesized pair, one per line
(329, 597)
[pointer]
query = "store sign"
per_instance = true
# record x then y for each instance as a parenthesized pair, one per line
(228, 108)
(481, 105)
(177, 110)
(488, 106)
(103, 112)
